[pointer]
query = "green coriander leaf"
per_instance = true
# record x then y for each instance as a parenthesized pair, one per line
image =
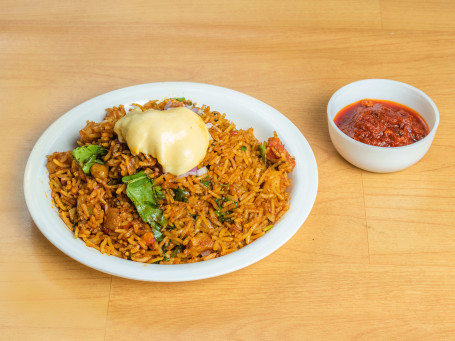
(86, 156)
(145, 196)
(177, 249)
(158, 192)
(164, 248)
(243, 148)
(225, 199)
(180, 195)
(206, 181)
(157, 233)
(135, 177)
(222, 215)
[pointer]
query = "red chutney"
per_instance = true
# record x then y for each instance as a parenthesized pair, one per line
(381, 123)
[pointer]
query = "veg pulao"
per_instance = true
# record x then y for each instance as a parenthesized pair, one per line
(125, 205)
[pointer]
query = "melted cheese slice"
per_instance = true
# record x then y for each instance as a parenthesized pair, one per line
(177, 138)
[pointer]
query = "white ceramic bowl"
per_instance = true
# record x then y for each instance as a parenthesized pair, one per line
(244, 110)
(381, 159)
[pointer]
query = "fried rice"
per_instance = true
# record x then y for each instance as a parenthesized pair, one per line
(237, 195)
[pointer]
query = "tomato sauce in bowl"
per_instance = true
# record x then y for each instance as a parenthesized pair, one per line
(381, 123)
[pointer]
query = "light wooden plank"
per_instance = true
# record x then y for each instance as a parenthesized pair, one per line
(330, 302)
(308, 14)
(418, 15)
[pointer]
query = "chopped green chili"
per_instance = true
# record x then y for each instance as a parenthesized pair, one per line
(262, 150)
(265, 229)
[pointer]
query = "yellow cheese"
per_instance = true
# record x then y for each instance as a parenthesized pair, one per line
(177, 138)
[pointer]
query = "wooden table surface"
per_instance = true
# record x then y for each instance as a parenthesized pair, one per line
(375, 260)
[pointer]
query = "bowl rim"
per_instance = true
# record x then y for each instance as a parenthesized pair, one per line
(428, 137)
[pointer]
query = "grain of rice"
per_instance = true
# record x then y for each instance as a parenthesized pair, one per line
(58, 163)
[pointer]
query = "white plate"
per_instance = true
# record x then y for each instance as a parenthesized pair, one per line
(243, 110)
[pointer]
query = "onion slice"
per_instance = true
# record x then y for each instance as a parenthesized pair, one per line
(168, 105)
(201, 171)
(192, 171)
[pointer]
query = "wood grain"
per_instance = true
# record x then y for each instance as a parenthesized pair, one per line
(375, 259)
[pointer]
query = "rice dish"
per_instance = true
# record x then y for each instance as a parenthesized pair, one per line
(126, 206)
